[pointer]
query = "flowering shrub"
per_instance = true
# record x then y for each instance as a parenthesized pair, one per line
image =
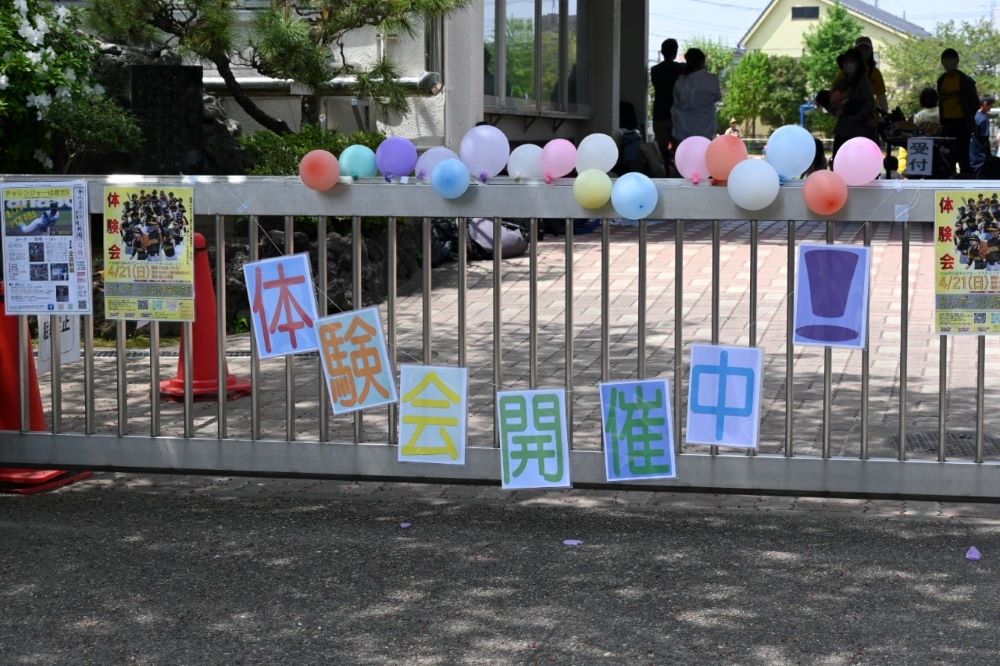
(44, 56)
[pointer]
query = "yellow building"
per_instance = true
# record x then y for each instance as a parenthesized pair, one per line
(780, 28)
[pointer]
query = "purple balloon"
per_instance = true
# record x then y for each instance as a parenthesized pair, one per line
(396, 157)
(484, 150)
(431, 158)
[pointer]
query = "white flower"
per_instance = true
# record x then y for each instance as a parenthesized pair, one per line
(21, 6)
(39, 155)
(98, 89)
(41, 25)
(31, 35)
(69, 74)
(4, 81)
(63, 91)
(48, 52)
(34, 57)
(61, 13)
(47, 163)
(40, 102)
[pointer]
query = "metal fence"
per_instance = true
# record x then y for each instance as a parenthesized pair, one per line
(111, 418)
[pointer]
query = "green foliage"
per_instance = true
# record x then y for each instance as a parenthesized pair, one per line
(748, 89)
(787, 91)
(93, 125)
(279, 155)
(915, 64)
(718, 55)
(520, 58)
(823, 43)
(379, 85)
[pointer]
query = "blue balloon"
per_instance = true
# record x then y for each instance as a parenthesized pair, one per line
(450, 178)
(791, 151)
(634, 196)
(358, 162)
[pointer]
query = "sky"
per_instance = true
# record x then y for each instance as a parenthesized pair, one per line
(728, 20)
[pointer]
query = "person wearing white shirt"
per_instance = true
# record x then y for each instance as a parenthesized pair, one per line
(695, 95)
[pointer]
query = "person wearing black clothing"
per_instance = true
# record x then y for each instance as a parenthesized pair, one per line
(664, 76)
(984, 164)
(852, 101)
(958, 101)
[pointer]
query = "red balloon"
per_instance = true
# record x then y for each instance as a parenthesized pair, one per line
(825, 192)
(724, 153)
(319, 170)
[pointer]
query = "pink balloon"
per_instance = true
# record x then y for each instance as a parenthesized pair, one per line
(558, 158)
(319, 170)
(690, 158)
(859, 161)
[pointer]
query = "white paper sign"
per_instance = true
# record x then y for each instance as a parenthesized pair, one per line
(69, 342)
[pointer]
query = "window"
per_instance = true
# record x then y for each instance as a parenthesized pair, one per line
(805, 13)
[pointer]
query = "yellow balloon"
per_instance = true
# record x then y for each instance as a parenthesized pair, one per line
(592, 189)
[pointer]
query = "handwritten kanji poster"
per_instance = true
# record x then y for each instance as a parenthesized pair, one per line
(282, 305)
(967, 262)
(356, 361)
(534, 444)
(46, 248)
(638, 430)
(831, 295)
(724, 395)
(433, 414)
(149, 253)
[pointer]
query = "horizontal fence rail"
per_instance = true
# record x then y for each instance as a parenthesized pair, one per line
(618, 303)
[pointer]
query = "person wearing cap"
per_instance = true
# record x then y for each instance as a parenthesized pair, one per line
(864, 47)
(734, 128)
(981, 159)
(958, 101)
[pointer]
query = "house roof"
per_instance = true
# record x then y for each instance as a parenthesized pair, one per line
(868, 10)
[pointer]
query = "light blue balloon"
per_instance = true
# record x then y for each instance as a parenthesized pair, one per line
(634, 196)
(450, 178)
(358, 162)
(791, 151)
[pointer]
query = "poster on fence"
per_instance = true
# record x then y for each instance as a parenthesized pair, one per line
(68, 330)
(432, 414)
(638, 430)
(831, 295)
(724, 396)
(149, 253)
(355, 361)
(966, 262)
(534, 444)
(46, 248)
(283, 303)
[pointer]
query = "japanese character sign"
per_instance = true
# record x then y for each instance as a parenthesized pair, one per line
(724, 396)
(919, 156)
(638, 430)
(283, 305)
(432, 414)
(534, 445)
(355, 361)
(831, 295)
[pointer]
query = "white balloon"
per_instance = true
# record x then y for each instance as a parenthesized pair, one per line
(753, 184)
(596, 151)
(526, 163)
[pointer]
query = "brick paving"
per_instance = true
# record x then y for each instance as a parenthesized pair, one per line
(884, 362)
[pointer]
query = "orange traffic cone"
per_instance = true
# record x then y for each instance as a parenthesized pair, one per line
(205, 383)
(14, 479)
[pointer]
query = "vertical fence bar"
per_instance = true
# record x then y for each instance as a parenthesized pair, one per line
(827, 374)
(865, 360)
(641, 324)
(568, 315)
(981, 399)
(605, 300)
(497, 313)
(122, 378)
(426, 288)
(324, 309)
(533, 303)
(789, 350)
(942, 400)
(187, 330)
(390, 279)
(154, 379)
(290, 359)
(220, 317)
(23, 358)
(716, 283)
(754, 240)
(55, 340)
(678, 328)
(88, 373)
(463, 259)
(904, 334)
(254, 244)
(356, 257)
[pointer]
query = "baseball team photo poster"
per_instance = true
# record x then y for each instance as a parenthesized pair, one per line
(46, 248)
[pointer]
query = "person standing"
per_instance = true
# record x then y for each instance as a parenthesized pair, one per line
(695, 96)
(958, 102)
(664, 76)
(981, 158)
(853, 102)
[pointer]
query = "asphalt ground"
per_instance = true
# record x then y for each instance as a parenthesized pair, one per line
(186, 570)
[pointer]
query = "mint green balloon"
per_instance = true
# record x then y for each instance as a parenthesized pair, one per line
(358, 162)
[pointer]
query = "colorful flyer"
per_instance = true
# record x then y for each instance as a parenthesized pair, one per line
(724, 396)
(283, 303)
(638, 430)
(534, 444)
(46, 248)
(831, 295)
(355, 361)
(149, 253)
(433, 410)
(967, 262)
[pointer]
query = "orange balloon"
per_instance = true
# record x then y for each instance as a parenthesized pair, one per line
(319, 170)
(825, 192)
(724, 152)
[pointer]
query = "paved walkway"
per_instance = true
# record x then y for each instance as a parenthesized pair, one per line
(169, 570)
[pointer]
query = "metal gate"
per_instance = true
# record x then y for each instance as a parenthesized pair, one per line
(620, 303)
